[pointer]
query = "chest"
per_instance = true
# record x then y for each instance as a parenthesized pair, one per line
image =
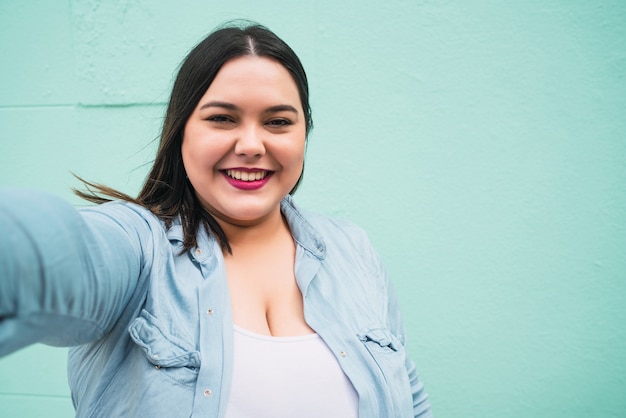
(287, 371)
(264, 294)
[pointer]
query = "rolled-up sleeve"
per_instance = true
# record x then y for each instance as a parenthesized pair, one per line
(65, 275)
(421, 402)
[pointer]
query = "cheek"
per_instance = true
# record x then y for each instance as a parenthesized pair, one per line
(194, 160)
(293, 158)
(192, 147)
(296, 151)
(195, 153)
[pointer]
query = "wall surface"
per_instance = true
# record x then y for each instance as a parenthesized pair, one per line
(482, 144)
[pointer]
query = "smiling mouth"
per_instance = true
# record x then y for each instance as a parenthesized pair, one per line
(247, 175)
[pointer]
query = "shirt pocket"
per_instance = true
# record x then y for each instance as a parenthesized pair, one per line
(387, 351)
(176, 358)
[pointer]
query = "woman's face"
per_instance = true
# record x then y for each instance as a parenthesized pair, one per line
(243, 146)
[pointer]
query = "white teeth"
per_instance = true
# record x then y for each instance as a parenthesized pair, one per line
(246, 175)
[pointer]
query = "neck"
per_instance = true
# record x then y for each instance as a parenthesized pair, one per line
(250, 235)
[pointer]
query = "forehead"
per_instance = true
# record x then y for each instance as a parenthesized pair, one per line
(255, 77)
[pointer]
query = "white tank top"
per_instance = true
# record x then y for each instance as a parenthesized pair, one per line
(287, 377)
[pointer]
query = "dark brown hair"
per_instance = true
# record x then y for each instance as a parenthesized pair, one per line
(166, 191)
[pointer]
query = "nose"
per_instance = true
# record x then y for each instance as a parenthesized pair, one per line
(250, 142)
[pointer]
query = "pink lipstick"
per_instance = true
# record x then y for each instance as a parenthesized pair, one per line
(246, 179)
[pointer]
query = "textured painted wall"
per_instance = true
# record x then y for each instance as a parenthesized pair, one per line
(482, 144)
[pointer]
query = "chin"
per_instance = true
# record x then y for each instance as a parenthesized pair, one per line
(247, 216)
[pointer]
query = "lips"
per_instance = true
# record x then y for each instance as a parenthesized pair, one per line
(247, 179)
(247, 175)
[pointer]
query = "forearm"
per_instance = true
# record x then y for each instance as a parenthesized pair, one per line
(63, 281)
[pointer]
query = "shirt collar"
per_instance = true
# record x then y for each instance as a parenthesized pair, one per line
(302, 231)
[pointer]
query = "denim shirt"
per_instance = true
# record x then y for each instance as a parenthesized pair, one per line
(151, 327)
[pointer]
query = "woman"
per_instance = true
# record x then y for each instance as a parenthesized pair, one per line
(211, 294)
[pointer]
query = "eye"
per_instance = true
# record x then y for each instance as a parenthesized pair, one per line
(279, 122)
(220, 119)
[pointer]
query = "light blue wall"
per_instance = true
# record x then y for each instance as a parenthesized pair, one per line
(482, 144)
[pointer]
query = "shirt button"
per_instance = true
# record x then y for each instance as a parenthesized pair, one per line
(342, 354)
(198, 251)
(207, 392)
(209, 311)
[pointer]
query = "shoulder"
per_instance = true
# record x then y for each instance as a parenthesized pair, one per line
(335, 228)
(144, 229)
(124, 213)
(334, 232)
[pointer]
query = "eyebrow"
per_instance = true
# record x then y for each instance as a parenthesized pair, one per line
(224, 105)
(230, 106)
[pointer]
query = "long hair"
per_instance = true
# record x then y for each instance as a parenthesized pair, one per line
(166, 191)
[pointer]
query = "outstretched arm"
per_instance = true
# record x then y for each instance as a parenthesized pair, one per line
(65, 276)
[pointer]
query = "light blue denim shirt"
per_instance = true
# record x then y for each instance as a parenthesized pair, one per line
(151, 328)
